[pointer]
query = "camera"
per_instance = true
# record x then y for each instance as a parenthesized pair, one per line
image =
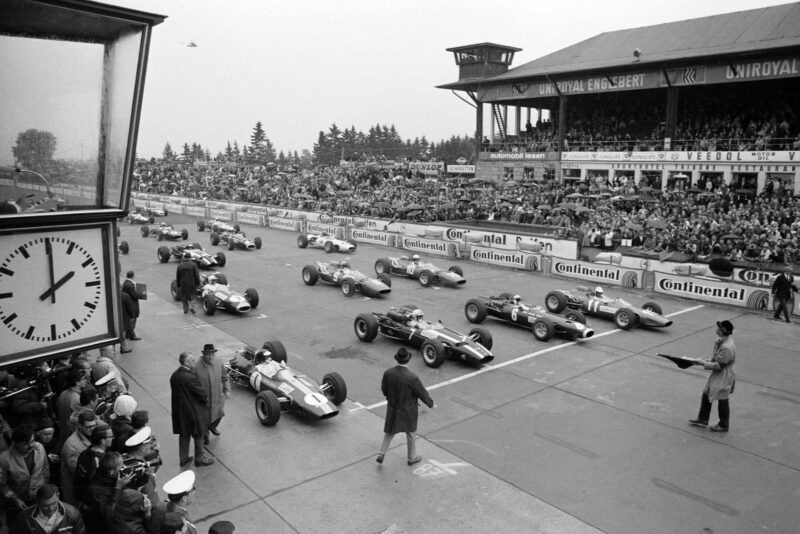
(139, 469)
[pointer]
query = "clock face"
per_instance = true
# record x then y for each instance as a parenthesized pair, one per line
(53, 288)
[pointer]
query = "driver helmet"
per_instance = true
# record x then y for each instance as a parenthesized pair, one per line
(187, 255)
(415, 258)
(344, 264)
(516, 299)
(417, 314)
(598, 291)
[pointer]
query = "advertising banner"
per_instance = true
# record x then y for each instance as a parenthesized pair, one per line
(526, 156)
(250, 218)
(529, 261)
(292, 225)
(196, 211)
(436, 247)
(461, 169)
(603, 274)
(718, 156)
(173, 207)
(374, 237)
(708, 290)
(426, 167)
(223, 215)
(550, 246)
(322, 228)
(261, 210)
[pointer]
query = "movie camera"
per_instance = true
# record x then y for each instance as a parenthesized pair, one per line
(34, 377)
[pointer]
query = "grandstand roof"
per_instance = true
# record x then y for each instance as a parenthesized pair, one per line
(743, 32)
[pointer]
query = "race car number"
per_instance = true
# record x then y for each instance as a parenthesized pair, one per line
(410, 269)
(286, 388)
(514, 314)
(336, 276)
(428, 334)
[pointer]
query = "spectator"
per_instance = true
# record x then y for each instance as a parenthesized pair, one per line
(49, 514)
(23, 471)
(76, 443)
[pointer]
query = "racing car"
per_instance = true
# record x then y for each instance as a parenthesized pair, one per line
(594, 303)
(542, 323)
(435, 341)
(158, 212)
(164, 231)
(326, 242)
(140, 217)
(215, 225)
(215, 294)
(235, 240)
(279, 388)
(350, 281)
(426, 273)
(203, 259)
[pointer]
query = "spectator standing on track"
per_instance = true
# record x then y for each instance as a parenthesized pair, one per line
(187, 278)
(782, 289)
(721, 381)
(402, 390)
(129, 287)
(215, 383)
(188, 401)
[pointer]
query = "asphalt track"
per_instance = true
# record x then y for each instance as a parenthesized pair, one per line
(556, 437)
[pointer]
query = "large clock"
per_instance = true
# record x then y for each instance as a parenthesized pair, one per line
(55, 290)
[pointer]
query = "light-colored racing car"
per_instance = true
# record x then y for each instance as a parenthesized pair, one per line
(594, 302)
(218, 226)
(326, 242)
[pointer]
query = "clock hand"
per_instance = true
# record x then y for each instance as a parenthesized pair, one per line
(58, 284)
(48, 247)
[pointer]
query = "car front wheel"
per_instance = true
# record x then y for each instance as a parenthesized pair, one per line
(268, 408)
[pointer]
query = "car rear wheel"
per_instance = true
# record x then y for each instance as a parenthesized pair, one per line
(625, 319)
(268, 408)
(184, 234)
(355, 245)
(173, 289)
(302, 241)
(475, 310)
(231, 244)
(163, 254)
(236, 228)
(328, 246)
(348, 287)
(124, 247)
(276, 349)
(543, 329)
(251, 296)
(505, 296)
(366, 326)
(425, 278)
(209, 304)
(433, 353)
(482, 337)
(310, 275)
(201, 226)
(159, 235)
(653, 307)
(214, 238)
(257, 241)
(151, 219)
(555, 302)
(145, 231)
(575, 316)
(220, 257)
(383, 267)
(334, 387)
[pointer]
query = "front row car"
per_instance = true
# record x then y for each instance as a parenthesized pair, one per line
(326, 242)
(215, 294)
(203, 259)
(235, 240)
(279, 388)
(435, 341)
(595, 303)
(216, 225)
(427, 273)
(163, 231)
(339, 273)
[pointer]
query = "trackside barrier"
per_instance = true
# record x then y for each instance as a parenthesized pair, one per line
(250, 218)
(428, 246)
(332, 230)
(173, 207)
(373, 236)
(223, 215)
(196, 211)
(292, 225)
(713, 290)
(528, 261)
(603, 274)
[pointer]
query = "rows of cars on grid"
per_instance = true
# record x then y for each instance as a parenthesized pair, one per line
(279, 387)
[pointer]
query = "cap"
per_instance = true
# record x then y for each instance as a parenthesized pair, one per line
(106, 379)
(598, 289)
(182, 483)
(209, 347)
(402, 356)
(124, 406)
(726, 327)
(222, 527)
(140, 418)
(140, 437)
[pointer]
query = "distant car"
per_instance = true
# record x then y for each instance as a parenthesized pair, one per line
(215, 294)
(542, 323)
(218, 226)
(427, 273)
(163, 231)
(624, 314)
(158, 212)
(203, 259)
(326, 242)
(235, 240)
(279, 388)
(140, 217)
(350, 281)
(435, 341)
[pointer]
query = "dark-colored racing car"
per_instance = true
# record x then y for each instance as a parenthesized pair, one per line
(215, 225)
(234, 240)
(435, 341)
(140, 217)
(624, 314)
(340, 274)
(279, 388)
(326, 242)
(542, 323)
(203, 259)
(163, 231)
(427, 273)
(215, 294)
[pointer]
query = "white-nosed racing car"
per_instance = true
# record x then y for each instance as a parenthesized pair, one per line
(215, 294)
(435, 341)
(163, 231)
(216, 225)
(326, 242)
(427, 273)
(595, 303)
(140, 217)
(340, 274)
(279, 388)
(234, 240)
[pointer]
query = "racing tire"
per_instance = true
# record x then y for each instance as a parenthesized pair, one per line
(475, 310)
(426, 278)
(210, 304)
(251, 296)
(576, 316)
(383, 267)
(221, 259)
(236, 228)
(231, 244)
(482, 337)
(166, 213)
(173, 289)
(543, 329)
(654, 307)
(366, 326)
(222, 279)
(257, 242)
(184, 234)
(145, 231)
(625, 319)
(334, 387)
(214, 238)
(355, 245)
(163, 254)
(159, 236)
(302, 241)
(276, 349)
(201, 226)
(124, 248)
(151, 219)
(555, 302)
(348, 287)
(310, 275)
(386, 279)
(328, 247)
(433, 353)
(268, 408)
(456, 269)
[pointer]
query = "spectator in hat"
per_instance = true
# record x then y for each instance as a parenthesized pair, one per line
(129, 287)
(124, 407)
(45, 434)
(222, 527)
(49, 514)
(721, 381)
(189, 401)
(782, 289)
(172, 515)
(187, 278)
(402, 389)
(215, 383)
(103, 366)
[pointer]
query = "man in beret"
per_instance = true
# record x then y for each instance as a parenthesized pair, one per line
(782, 289)
(402, 390)
(721, 381)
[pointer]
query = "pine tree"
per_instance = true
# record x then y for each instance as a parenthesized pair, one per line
(167, 153)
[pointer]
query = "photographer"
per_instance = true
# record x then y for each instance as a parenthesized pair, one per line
(142, 459)
(131, 515)
(89, 460)
(103, 493)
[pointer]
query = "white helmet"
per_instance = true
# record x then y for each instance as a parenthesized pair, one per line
(344, 264)
(598, 291)
(417, 314)
(516, 299)
(415, 258)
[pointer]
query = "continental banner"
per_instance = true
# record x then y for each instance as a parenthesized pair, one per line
(322, 228)
(260, 210)
(250, 218)
(425, 245)
(374, 237)
(529, 261)
(196, 211)
(555, 247)
(601, 273)
(292, 225)
(708, 290)
(174, 207)
(223, 215)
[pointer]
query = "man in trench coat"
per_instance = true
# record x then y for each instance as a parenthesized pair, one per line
(402, 390)
(217, 387)
(187, 278)
(721, 381)
(189, 401)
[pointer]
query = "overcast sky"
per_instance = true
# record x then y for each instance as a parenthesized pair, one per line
(299, 66)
